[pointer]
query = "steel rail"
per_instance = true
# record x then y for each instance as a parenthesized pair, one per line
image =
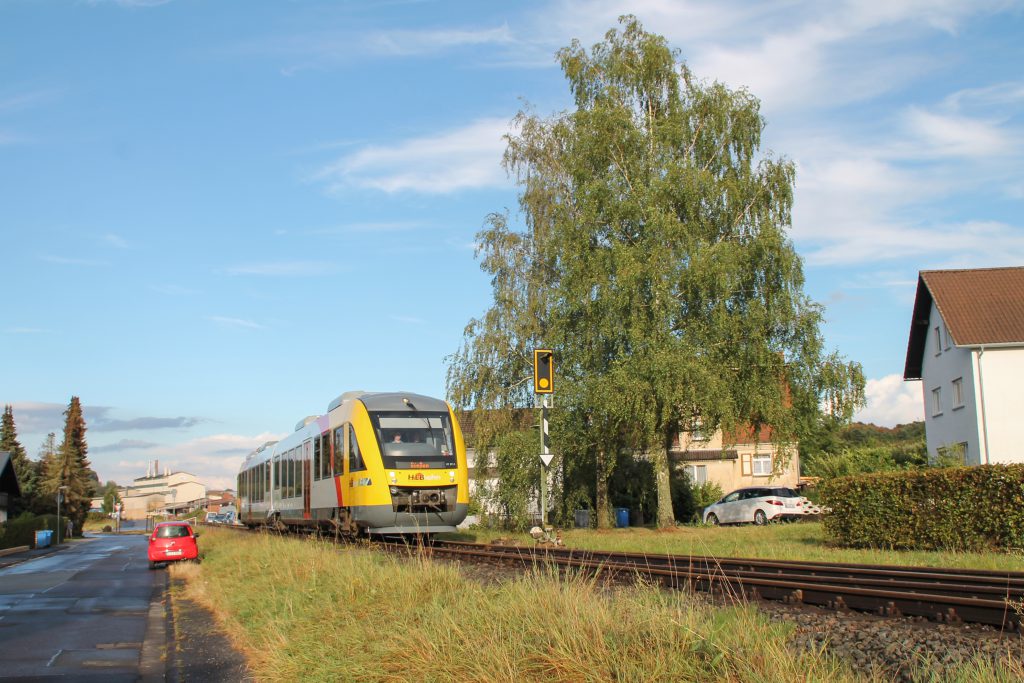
(931, 593)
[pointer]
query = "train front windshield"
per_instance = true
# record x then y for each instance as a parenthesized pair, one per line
(415, 440)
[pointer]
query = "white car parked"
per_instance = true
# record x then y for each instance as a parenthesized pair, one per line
(759, 505)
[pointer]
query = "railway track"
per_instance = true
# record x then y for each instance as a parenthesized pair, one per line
(948, 595)
(938, 594)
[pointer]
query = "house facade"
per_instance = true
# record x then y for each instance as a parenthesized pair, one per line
(966, 347)
(736, 461)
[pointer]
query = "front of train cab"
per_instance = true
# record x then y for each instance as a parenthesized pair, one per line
(423, 460)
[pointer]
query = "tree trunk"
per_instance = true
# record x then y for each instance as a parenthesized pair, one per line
(666, 516)
(603, 502)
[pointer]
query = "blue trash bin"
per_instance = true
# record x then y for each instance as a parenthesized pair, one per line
(622, 517)
(44, 538)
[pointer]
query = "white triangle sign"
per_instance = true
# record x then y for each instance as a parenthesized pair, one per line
(546, 458)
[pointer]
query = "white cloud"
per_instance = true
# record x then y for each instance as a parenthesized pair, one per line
(174, 290)
(467, 158)
(284, 268)
(115, 241)
(957, 136)
(891, 401)
(131, 4)
(235, 322)
(68, 261)
(406, 43)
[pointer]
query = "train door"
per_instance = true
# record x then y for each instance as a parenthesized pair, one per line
(307, 451)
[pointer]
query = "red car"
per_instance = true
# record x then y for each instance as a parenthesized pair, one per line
(172, 541)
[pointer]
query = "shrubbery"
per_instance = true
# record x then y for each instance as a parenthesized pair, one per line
(962, 508)
(22, 529)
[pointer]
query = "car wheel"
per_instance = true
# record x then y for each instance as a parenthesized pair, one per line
(759, 518)
(712, 519)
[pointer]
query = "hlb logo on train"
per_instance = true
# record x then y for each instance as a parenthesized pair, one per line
(419, 476)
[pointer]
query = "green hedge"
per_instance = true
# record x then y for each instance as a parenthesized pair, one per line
(22, 529)
(961, 508)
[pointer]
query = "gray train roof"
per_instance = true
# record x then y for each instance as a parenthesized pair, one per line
(392, 401)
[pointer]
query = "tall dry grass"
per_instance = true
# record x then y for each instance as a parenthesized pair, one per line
(309, 611)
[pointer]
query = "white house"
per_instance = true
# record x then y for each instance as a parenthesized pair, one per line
(166, 493)
(967, 348)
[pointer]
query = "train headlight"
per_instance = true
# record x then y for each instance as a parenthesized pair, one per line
(391, 475)
(451, 477)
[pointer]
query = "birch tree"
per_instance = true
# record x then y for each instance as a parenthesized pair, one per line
(655, 259)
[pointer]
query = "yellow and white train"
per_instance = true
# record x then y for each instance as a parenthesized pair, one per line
(375, 463)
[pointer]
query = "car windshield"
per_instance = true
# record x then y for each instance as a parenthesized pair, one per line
(171, 531)
(415, 440)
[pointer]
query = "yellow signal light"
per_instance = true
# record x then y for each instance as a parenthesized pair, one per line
(543, 371)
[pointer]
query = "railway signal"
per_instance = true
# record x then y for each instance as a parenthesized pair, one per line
(543, 371)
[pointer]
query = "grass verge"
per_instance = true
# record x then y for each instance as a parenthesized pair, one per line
(308, 611)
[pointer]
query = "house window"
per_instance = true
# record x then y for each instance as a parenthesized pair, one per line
(938, 341)
(945, 329)
(762, 464)
(958, 393)
(698, 474)
(937, 401)
(956, 452)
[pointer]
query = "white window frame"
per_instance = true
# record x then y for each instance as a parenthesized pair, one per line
(945, 329)
(938, 341)
(698, 474)
(958, 393)
(936, 401)
(757, 463)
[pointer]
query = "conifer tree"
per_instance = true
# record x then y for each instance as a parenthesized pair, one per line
(23, 467)
(44, 502)
(71, 467)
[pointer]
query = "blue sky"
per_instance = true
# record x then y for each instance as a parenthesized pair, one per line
(215, 217)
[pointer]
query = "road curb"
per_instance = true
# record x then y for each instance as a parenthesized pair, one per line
(153, 656)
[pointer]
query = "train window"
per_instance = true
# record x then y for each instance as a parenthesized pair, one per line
(277, 475)
(355, 458)
(415, 440)
(316, 458)
(325, 458)
(293, 466)
(291, 472)
(339, 448)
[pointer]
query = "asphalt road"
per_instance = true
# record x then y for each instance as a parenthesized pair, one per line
(91, 611)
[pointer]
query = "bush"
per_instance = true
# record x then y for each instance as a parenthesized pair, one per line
(690, 499)
(962, 508)
(22, 529)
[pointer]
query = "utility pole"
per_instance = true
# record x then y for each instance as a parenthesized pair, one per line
(544, 387)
